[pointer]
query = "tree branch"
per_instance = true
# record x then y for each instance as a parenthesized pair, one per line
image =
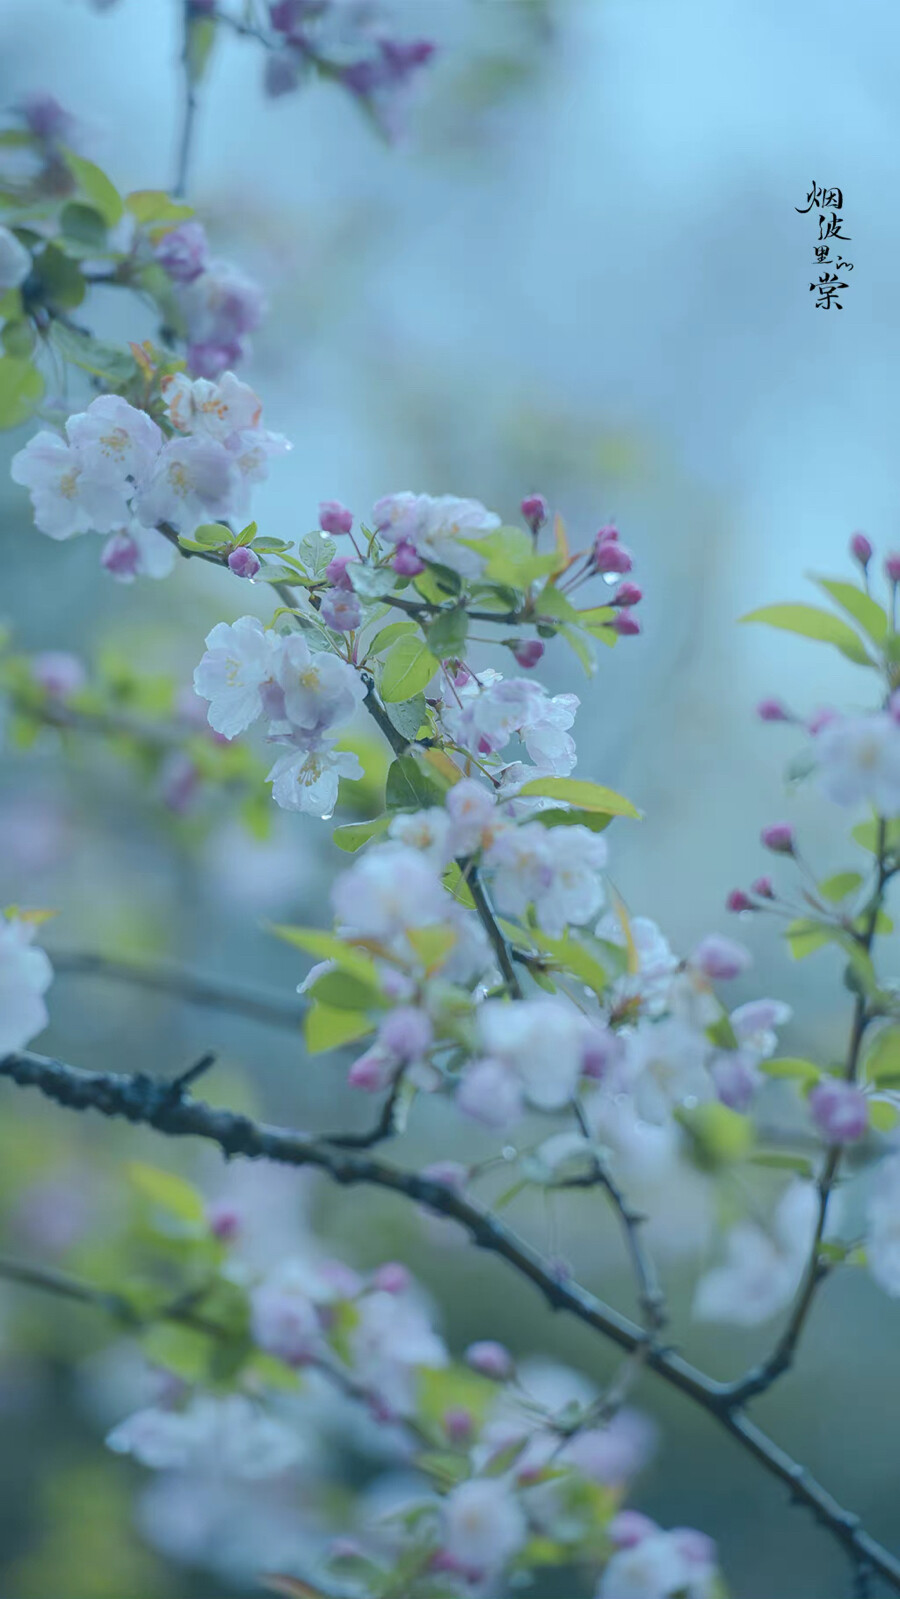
(271, 1009)
(141, 1100)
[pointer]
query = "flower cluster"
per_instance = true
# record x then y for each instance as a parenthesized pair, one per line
(248, 671)
(116, 472)
(352, 46)
(218, 304)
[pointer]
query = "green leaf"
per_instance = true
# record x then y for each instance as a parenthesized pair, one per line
(718, 1134)
(328, 947)
(95, 186)
(389, 635)
(580, 646)
(21, 389)
(343, 991)
(574, 957)
(448, 633)
(325, 1028)
(867, 834)
(18, 339)
(407, 716)
(883, 1059)
(84, 225)
(838, 887)
(596, 618)
(783, 1160)
(116, 366)
(62, 281)
(597, 821)
(883, 1115)
(432, 945)
(410, 787)
(555, 605)
(155, 205)
(802, 1071)
(510, 557)
(185, 1351)
(804, 936)
(871, 616)
(408, 668)
(213, 535)
(166, 1189)
(353, 835)
(810, 622)
(587, 796)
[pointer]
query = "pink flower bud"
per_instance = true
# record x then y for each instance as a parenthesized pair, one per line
(773, 711)
(369, 1073)
(627, 594)
(224, 1222)
(334, 517)
(406, 1033)
(861, 549)
(892, 568)
(738, 901)
(607, 535)
(340, 610)
(243, 561)
(839, 1110)
(528, 652)
(406, 561)
(490, 1359)
(121, 557)
(625, 624)
(336, 572)
(392, 1278)
(458, 1425)
(534, 510)
(183, 252)
(211, 357)
(762, 886)
(610, 556)
(779, 838)
(720, 958)
(58, 673)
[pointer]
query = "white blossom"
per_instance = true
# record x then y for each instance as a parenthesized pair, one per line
(659, 1566)
(539, 1044)
(307, 779)
(428, 831)
(25, 976)
(193, 480)
(116, 442)
(67, 498)
(762, 1269)
(390, 889)
(239, 660)
(320, 690)
(858, 761)
(231, 1436)
(138, 551)
(391, 1338)
(216, 409)
(666, 1063)
(482, 1524)
(435, 527)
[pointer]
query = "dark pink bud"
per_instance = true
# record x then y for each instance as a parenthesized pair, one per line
(528, 652)
(606, 535)
(243, 562)
(334, 517)
(490, 1359)
(892, 568)
(627, 594)
(336, 572)
(861, 549)
(534, 510)
(779, 838)
(210, 359)
(406, 561)
(625, 624)
(183, 252)
(458, 1425)
(392, 1278)
(773, 711)
(610, 556)
(763, 888)
(739, 901)
(121, 556)
(839, 1110)
(224, 1222)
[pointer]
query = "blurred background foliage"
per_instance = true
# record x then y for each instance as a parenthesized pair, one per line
(581, 273)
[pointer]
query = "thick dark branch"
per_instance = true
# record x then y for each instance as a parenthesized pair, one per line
(272, 1009)
(140, 1099)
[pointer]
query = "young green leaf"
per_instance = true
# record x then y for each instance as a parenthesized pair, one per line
(587, 796)
(808, 621)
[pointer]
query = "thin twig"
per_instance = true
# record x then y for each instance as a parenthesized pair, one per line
(140, 1099)
(189, 105)
(271, 1009)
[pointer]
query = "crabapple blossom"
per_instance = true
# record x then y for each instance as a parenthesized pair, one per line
(340, 611)
(307, 779)
(15, 261)
(117, 442)
(25, 976)
(430, 832)
(720, 959)
(482, 1525)
(239, 661)
(391, 1338)
(662, 1565)
(389, 890)
(320, 691)
(284, 1319)
(220, 306)
(231, 1436)
(557, 870)
(58, 673)
(656, 964)
(883, 1227)
(472, 811)
(193, 480)
(67, 497)
(435, 527)
(762, 1269)
(532, 1049)
(406, 1033)
(334, 517)
(666, 1065)
(858, 761)
(839, 1110)
(490, 1359)
(405, 562)
(217, 410)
